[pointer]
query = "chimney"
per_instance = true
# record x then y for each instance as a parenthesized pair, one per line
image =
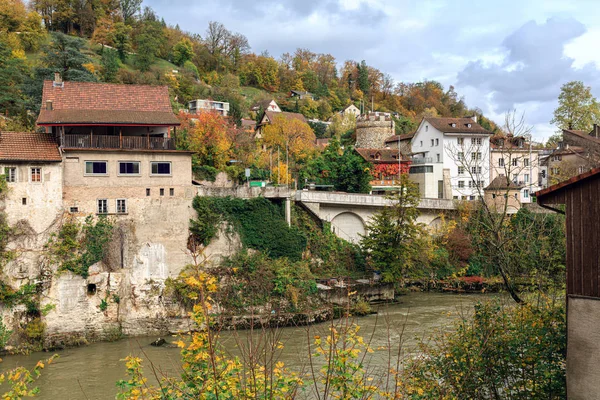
(596, 131)
(49, 105)
(58, 82)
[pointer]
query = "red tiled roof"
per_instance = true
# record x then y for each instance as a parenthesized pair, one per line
(568, 150)
(386, 156)
(28, 146)
(461, 125)
(106, 103)
(561, 185)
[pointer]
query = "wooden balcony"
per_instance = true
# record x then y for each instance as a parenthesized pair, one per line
(118, 142)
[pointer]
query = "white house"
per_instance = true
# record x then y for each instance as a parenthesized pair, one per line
(351, 109)
(451, 158)
(222, 107)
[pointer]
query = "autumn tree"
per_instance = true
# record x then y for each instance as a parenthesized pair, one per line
(291, 136)
(210, 137)
(577, 107)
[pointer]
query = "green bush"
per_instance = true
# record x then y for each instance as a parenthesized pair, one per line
(501, 352)
(260, 223)
(4, 334)
(76, 248)
(255, 279)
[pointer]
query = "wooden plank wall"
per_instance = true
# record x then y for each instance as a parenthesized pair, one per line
(583, 247)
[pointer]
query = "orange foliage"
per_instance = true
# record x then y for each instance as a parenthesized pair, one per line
(210, 136)
(291, 134)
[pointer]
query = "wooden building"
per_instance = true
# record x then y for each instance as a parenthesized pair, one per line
(580, 196)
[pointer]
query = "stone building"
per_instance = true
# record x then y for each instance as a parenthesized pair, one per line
(503, 195)
(31, 164)
(373, 129)
(109, 151)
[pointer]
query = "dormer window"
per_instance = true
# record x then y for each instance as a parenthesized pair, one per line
(468, 125)
(453, 125)
(377, 156)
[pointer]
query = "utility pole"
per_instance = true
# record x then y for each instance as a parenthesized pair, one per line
(287, 162)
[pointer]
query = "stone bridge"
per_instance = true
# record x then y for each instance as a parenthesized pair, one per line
(349, 213)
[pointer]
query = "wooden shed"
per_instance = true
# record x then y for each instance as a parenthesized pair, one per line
(581, 197)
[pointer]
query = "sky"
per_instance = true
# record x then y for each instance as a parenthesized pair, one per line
(501, 56)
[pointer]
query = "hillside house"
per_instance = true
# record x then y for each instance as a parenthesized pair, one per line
(451, 158)
(350, 110)
(265, 105)
(200, 105)
(580, 196)
(301, 95)
(514, 157)
(388, 165)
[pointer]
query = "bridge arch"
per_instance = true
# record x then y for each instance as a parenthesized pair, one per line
(348, 226)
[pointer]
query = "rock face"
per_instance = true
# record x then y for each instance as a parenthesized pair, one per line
(123, 294)
(373, 129)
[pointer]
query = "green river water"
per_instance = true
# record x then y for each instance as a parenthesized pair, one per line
(90, 372)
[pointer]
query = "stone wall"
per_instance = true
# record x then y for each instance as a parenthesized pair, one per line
(373, 129)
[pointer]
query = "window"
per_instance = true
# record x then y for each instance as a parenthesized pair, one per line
(526, 193)
(121, 206)
(426, 128)
(461, 170)
(476, 156)
(36, 174)
(501, 162)
(171, 192)
(476, 141)
(162, 191)
(480, 184)
(421, 143)
(438, 157)
(526, 178)
(543, 173)
(102, 206)
(147, 191)
(554, 171)
(432, 141)
(11, 174)
(73, 209)
(526, 162)
(515, 162)
(95, 167)
(461, 141)
(476, 170)
(129, 168)
(580, 169)
(471, 198)
(468, 125)
(160, 168)
(461, 184)
(24, 201)
(421, 169)
(461, 155)
(557, 158)
(437, 142)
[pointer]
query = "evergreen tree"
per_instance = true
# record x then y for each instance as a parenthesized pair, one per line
(363, 77)
(393, 241)
(110, 66)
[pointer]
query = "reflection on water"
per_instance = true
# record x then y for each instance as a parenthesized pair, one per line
(91, 372)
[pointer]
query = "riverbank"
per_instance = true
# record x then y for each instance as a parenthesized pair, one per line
(91, 371)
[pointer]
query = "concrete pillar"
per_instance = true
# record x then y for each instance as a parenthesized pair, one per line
(288, 211)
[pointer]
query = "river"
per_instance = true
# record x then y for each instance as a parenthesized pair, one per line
(90, 372)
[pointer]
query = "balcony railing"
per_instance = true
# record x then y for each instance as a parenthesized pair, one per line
(118, 142)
